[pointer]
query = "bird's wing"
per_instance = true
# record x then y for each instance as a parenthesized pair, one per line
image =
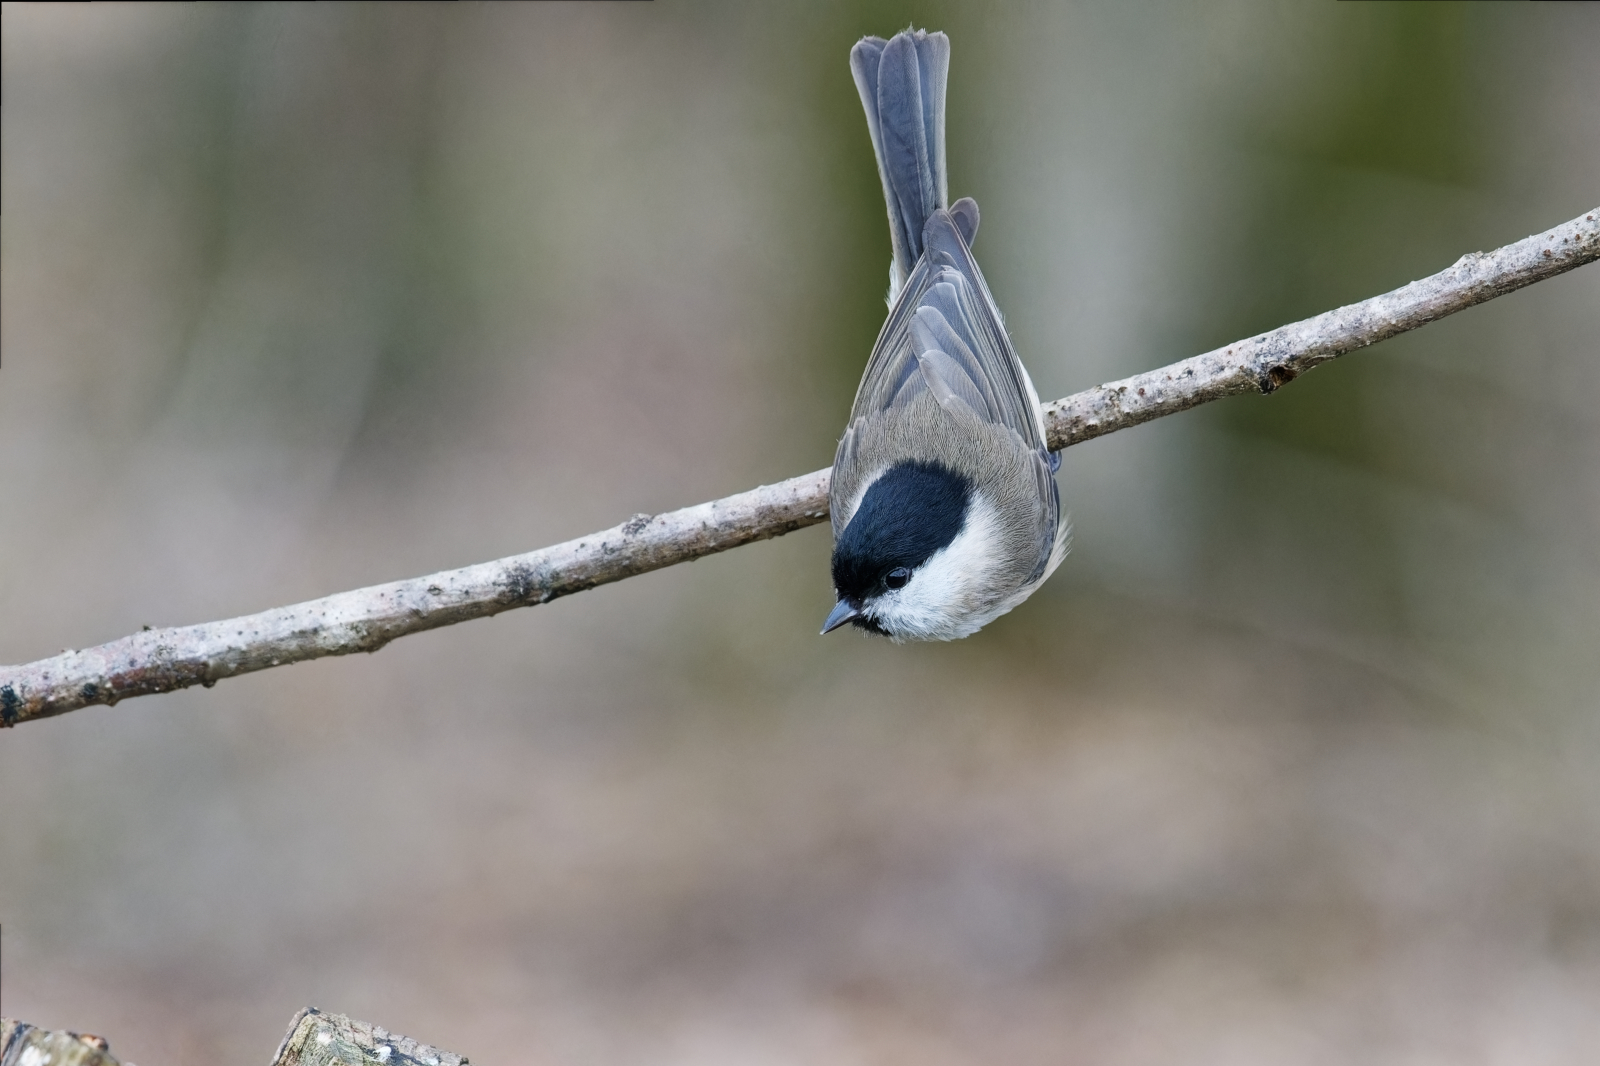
(944, 336)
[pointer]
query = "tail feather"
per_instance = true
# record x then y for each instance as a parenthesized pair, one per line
(902, 86)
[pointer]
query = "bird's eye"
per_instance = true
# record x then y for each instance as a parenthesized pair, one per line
(897, 578)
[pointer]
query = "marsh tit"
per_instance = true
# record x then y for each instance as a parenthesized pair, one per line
(944, 502)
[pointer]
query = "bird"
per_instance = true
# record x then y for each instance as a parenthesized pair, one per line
(943, 501)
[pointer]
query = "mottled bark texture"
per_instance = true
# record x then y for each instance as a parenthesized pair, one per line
(318, 1039)
(161, 660)
(313, 1039)
(22, 1044)
(1268, 361)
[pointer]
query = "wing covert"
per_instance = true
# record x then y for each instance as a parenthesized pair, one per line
(944, 334)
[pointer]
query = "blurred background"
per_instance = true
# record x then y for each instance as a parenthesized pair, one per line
(1294, 761)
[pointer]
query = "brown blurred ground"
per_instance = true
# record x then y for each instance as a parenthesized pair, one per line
(1294, 761)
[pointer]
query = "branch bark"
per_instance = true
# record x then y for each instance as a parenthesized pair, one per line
(1268, 361)
(162, 660)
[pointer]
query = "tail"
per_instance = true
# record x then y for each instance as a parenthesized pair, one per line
(902, 83)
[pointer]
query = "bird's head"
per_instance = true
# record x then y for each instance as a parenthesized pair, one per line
(917, 557)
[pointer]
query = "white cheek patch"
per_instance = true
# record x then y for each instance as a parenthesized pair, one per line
(942, 598)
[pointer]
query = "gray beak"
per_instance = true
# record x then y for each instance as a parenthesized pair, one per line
(842, 612)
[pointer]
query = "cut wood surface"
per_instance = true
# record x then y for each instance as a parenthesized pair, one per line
(318, 1039)
(313, 1039)
(22, 1044)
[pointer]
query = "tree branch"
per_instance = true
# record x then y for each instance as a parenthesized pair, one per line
(1268, 361)
(161, 660)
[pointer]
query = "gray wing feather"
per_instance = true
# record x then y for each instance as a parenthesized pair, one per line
(931, 332)
(1053, 533)
(965, 213)
(949, 385)
(945, 326)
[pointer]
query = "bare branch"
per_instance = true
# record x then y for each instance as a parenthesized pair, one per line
(161, 660)
(1268, 361)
